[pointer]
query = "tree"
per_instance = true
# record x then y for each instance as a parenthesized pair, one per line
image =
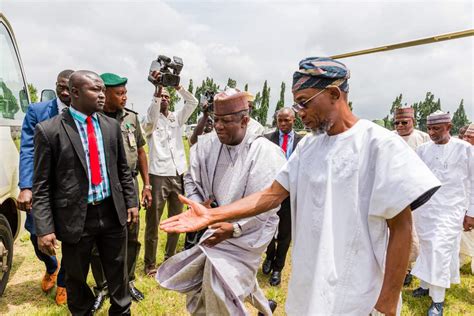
(425, 108)
(350, 105)
(174, 98)
(396, 104)
(246, 87)
(33, 93)
(281, 102)
(459, 119)
(264, 104)
(191, 86)
(231, 83)
(255, 114)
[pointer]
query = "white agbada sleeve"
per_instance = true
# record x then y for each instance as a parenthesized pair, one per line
(401, 178)
(190, 186)
(470, 162)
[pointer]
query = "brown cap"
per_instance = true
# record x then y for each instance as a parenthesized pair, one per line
(230, 101)
(405, 113)
(470, 130)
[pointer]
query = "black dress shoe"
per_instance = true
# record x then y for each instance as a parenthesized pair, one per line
(419, 292)
(408, 279)
(99, 300)
(267, 266)
(136, 294)
(273, 305)
(436, 309)
(275, 279)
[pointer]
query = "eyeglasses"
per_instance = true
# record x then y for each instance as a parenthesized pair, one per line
(298, 106)
(404, 123)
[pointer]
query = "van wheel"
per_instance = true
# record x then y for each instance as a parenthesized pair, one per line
(6, 252)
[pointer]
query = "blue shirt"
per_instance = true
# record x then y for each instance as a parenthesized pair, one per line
(289, 147)
(102, 190)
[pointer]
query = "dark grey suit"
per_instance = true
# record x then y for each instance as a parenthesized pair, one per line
(60, 191)
(278, 248)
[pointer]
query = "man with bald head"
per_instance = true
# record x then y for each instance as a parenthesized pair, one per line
(36, 113)
(439, 222)
(286, 138)
(219, 273)
(83, 193)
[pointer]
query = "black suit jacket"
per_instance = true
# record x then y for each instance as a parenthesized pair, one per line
(60, 182)
(275, 138)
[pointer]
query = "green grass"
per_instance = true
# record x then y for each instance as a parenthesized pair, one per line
(23, 295)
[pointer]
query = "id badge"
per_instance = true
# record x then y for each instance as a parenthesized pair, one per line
(131, 140)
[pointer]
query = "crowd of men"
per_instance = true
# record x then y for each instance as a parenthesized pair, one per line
(345, 193)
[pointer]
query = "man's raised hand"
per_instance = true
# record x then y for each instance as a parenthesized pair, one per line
(195, 218)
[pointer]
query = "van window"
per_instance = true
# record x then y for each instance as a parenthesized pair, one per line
(13, 93)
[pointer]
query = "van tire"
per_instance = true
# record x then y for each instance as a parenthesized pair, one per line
(6, 238)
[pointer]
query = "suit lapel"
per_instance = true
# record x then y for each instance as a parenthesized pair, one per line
(106, 137)
(73, 134)
(276, 137)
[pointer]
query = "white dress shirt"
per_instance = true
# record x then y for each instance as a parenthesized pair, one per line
(61, 105)
(164, 136)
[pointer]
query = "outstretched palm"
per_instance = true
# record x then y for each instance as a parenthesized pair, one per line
(195, 218)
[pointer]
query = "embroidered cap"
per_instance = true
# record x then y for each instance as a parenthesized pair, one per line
(438, 117)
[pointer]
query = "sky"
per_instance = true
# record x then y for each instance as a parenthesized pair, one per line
(253, 41)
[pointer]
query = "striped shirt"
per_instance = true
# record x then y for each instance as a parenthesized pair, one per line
(102, 190)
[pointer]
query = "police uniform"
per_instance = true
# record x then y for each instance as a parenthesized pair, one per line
(133, 140)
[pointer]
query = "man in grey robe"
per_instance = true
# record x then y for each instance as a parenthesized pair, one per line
(219, 274)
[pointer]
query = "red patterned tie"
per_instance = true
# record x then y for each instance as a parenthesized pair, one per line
(96, 178)
(284, 145)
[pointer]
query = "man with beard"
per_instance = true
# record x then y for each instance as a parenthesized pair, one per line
(405, 127)
(37, 113)
(439, 222)
(167, 164)
(349, 183)
(83, 194)
(134, 144)
(219, 274)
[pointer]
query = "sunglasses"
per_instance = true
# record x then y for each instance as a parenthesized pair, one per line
(404, 123)
(298, 106)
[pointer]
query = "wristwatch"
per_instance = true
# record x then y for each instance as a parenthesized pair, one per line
(147, 186)
(237, 231)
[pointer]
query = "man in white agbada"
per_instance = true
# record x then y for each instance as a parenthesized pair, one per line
(404, 121)
(349, 186)
(219, 274)
(439, 222)
(467, 238)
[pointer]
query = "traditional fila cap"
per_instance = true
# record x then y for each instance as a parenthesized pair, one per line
(438, 117)
(405, 113)
(470, 130)
(230, 101)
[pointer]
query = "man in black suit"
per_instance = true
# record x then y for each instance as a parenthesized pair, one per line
(287, 139)
(83, 193)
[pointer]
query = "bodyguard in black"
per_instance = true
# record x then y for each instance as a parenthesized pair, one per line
(287, 139)
(83, 193)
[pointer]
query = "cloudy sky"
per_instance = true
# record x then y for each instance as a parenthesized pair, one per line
(253, 41)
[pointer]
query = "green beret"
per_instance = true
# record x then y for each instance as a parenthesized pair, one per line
(112, 80)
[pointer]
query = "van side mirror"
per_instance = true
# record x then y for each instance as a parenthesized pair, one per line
(47, 95)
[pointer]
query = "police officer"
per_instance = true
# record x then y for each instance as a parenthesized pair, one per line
(134, 142)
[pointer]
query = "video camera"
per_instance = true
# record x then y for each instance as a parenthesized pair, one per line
(207, 98)
(169, 71)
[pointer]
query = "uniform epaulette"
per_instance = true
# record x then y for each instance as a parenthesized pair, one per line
(127, 109)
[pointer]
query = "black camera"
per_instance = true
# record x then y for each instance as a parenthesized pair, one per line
(207, 101)
(169, 71)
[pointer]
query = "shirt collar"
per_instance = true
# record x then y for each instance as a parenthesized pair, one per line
(61, 105)
(291, 133)
(79, 116)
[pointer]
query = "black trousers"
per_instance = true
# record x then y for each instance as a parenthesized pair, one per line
(278, 248)
(133, 249)
(102, 228)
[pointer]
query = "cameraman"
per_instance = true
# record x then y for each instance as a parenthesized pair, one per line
(205, 124)
(167, 163)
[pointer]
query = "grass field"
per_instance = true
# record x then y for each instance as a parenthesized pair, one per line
(23, 295)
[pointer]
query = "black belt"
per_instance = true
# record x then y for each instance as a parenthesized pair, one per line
(95, 203)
